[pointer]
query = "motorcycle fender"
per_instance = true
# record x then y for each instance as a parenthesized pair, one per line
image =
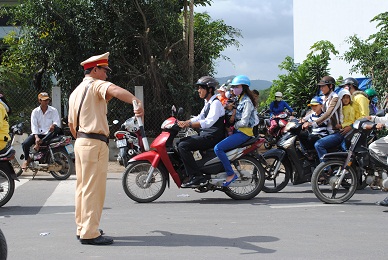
(275, 152)
(335, 156)
(6, 167)
(152, 156)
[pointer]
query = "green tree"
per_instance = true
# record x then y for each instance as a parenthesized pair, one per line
(370, 56)
(143, 37)
(299, 84)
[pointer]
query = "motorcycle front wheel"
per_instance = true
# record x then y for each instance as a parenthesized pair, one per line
(7, 187)
(134, 181)
(256, 178)
(275, 182)
(326, 176)
(3, 246)
(63, 158)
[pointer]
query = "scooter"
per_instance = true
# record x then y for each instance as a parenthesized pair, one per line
(128, 140)
(147, 174)
(337, 178)
(54, 156)
(3, 246)
(7, 175)
(275, 128)
(290, 161)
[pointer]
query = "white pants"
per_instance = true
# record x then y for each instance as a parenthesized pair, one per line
(380, 146)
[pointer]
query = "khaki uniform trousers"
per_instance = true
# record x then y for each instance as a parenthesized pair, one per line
(91, 162)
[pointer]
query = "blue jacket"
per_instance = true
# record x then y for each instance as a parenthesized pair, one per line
(280, 108)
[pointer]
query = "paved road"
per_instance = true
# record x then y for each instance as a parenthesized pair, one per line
(38, 223)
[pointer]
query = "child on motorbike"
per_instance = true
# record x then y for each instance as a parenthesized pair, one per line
(307, 139)
(349, 115)
(243, 127)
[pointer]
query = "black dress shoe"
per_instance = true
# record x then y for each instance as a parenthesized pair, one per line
(384, 202)
(101, 233)
(98, 241)
(194, 182)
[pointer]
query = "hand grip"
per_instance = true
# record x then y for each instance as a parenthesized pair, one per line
(141, 126)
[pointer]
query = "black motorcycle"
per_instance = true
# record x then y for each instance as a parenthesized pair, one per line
(3, 246)
(336, 179)
(7, 175)
(55, 155)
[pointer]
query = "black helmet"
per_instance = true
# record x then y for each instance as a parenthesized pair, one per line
(351, 81)
(208, 82)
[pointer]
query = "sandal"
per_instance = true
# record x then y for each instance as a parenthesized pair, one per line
(227, 183)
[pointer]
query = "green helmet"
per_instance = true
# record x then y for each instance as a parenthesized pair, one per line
(371, 92)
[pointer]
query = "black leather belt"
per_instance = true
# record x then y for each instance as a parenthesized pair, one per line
(100, 137)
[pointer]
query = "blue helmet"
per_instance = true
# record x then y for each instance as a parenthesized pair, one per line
(241, 80)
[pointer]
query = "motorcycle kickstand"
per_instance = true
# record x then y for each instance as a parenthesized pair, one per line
(35, 172)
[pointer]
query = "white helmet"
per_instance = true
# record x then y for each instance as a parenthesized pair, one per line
(278, 94)
(131, 125)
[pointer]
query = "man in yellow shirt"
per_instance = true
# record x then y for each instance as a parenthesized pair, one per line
(89, 124)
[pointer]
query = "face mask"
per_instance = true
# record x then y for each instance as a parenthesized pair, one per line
(278, 99)
(237, 91)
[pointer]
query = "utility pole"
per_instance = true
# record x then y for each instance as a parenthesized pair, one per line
(191, 42)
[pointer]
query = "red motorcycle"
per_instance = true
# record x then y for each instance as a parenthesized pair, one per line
(276, 127)
(147, 174)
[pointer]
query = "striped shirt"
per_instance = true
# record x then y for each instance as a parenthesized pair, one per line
(320, 129)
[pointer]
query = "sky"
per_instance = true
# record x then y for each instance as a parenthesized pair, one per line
(267, 30)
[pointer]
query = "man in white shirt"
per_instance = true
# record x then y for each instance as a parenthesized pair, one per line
(44, 120)
(212, 130)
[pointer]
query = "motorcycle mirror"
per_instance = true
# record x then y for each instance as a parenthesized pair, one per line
(180, 113)
(173, 110)
(303, 113)
(115, 122)
(380, 112)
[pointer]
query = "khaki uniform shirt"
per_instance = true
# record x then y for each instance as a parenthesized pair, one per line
(93, 116)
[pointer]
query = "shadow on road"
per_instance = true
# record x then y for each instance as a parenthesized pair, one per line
(168, 239)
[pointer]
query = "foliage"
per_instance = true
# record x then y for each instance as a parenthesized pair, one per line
(299, 84)
(370, 56)
(144, 39)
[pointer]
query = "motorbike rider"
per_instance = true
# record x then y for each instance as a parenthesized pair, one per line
(277, 107)
(360, 99)
(243, 127)
(45, 124)
(332, 113)
(308, 139)
(372, 96)
(5, 110)
(210, 121)
(380, 146)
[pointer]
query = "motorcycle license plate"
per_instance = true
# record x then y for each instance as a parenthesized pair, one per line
(69, 148)
(121, 143)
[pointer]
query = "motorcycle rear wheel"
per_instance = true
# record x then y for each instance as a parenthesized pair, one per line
(275, 183)
(7, 187)
(322, 184)
(249, 164)
(61, 156)
(134, 179)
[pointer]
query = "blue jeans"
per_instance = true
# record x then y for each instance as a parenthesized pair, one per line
(327, 142)
(227, 144)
